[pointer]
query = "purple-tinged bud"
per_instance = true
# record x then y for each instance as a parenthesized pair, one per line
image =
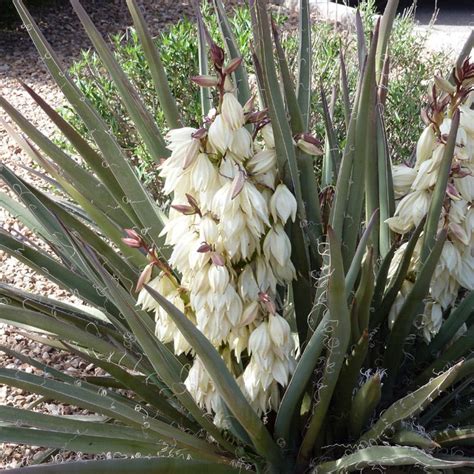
(184, 209)
(267, 302)
(199, 133)
(145, 276)
(133, 240)
(204, 248)
(205, 81)
(132, 243)
(217, 55)
(232, 65)
(217, 259)
(238, 183)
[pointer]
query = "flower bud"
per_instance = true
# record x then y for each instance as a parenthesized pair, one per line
(205, 81)
(232, 65)
(217, 55)
(309, 144)
(232, 112)
(283, 204)
(145, 277)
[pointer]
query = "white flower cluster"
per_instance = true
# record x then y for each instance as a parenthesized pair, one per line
(415, 187)
(226, 228)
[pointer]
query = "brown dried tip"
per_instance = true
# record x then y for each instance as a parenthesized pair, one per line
(256, 117)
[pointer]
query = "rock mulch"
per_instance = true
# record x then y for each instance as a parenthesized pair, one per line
(20, 60)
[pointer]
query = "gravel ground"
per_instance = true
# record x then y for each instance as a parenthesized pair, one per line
(20, 60)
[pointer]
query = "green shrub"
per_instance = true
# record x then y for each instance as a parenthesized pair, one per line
(411, 68)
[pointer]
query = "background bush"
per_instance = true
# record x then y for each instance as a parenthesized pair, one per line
(411, 68)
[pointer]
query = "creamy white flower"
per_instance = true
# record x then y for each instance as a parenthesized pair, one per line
(241, 144)
(410, 211)
(432, 320)
(232, 112)
(403, 177)
(262, 161)
(425, 145)
(429, 170)
(220, 135)
(218, 278)
(277, 245)
(204, 174)
(267, 134)
(283, 204)
(248, 288)
(465, 186)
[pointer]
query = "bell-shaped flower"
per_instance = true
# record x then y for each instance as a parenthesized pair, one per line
(425, 145)
(277, 245)
(410, 211)
(232, 112)
(262, 161)
(283, 204)
(220, 135)
(403, 177)
(267, 135)
(241, 144)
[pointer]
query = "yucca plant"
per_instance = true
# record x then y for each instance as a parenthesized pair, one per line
(270, 321)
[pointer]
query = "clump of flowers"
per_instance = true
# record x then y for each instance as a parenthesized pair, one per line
(230, 249)
(415, 188)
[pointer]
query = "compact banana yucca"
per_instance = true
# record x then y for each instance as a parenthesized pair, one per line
(288, 306)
